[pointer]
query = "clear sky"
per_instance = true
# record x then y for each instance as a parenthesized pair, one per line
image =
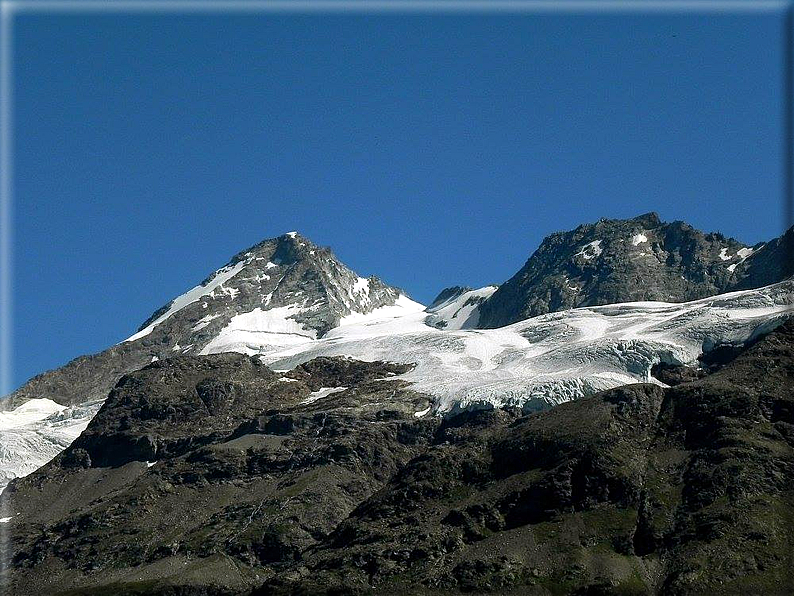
(430, 150)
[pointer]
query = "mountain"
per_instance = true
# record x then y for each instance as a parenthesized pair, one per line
(218, 475)
(281, 291)
(631, 260)
(530, 365)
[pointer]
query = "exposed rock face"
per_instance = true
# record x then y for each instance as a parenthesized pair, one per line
(772, 260)
(304, 287)
(637, 259)
(324, 480)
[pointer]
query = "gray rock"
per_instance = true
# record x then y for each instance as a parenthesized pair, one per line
(626, 260)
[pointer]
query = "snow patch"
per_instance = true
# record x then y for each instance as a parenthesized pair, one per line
(401, 307)
(321, 393)
(361, 286)
(724, 255)
(638, 239)
(31, 411)
(203, 322)
(259, 330)
(590, 250)
(743, 253)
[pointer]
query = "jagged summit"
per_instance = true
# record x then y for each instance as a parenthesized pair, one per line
(285, 272)
(625, 260)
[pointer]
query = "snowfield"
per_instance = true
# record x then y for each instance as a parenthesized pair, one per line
(546, 360)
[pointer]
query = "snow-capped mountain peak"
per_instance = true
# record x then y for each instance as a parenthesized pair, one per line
(279, 291)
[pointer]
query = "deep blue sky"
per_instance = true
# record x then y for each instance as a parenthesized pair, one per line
(429, 150)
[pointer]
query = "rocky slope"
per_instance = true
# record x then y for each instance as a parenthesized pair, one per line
(216, 475)
(637, 259)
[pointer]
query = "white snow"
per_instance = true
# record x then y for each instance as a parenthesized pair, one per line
(459, 312)
(292, 234)
(401, 307)
(361, 286)
(548, 359)
(321, 393)
(149, 464)
(203, 322)
(224, 291)
(270, 265)
(31, 411)
(724, 255)
(218, 279)
(638, 239)
(258, 330)
(590, 250)
(423, 412)
(744, 252)
(5, 520)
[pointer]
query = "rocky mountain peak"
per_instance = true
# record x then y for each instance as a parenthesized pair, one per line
(289, 273)
(283, 250)
(619, 260)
